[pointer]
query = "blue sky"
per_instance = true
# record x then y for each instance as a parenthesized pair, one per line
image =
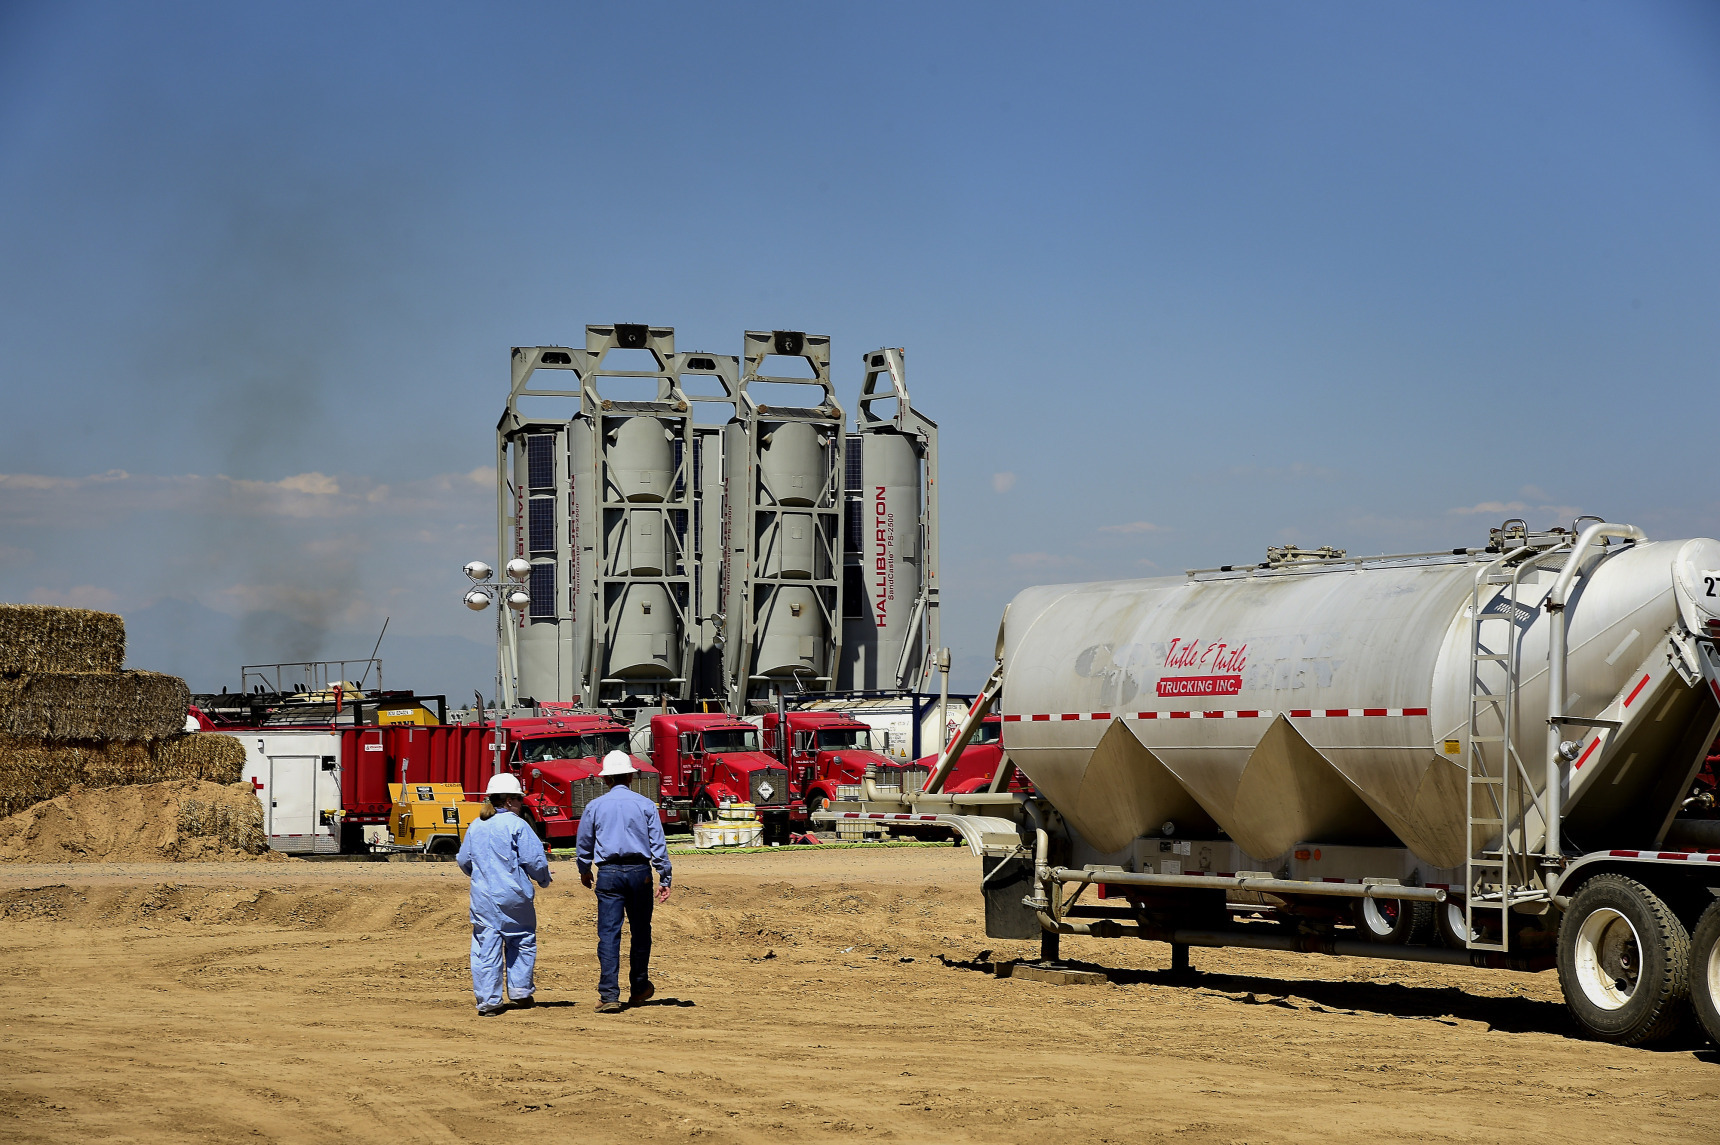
(1178, 280)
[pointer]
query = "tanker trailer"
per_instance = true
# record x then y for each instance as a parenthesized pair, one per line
(1268, 755)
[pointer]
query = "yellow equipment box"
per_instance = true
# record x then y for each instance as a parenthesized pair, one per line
(411, 714)
(434, 815)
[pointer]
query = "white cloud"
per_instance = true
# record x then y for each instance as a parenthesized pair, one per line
(1503, 509)
(79, 596)
(1042, 560)
(62, 502)
(1132, 527)
(1003, 482)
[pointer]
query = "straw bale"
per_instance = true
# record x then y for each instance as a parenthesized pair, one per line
(209, 756)
(93, 705)
(34, 770)
(37, 638)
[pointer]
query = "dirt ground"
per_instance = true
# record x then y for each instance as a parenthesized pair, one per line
(804, 996)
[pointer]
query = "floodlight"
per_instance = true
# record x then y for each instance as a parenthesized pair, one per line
(478, 570)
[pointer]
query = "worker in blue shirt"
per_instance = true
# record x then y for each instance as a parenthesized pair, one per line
(620, 834)
(503, 856)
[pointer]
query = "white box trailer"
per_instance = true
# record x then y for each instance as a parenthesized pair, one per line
(296, 775)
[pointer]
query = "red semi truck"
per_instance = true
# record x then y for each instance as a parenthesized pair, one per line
(827, 750)
(557, 758)
(977, 763)
(707, 759)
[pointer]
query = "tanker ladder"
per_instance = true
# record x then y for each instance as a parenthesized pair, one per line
(1499, 871)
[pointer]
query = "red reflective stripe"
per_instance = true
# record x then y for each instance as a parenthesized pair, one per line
(1641, 684)
(1037, 718)
(1100, 716)
(1179, 715)
(1584, 758)
(1212, 715)
(1680, 856)
(1622, 854)
(1011, 719)
(1337, 711)
(1247, 715)
(1415, 711)
(1146, 715)
(1070, 716)
(1301, 712)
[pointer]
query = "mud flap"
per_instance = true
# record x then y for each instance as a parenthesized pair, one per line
(1007, 882)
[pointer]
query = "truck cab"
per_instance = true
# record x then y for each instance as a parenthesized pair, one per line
(557, 758)
(976, 764)
(707, 760)
(827, 750)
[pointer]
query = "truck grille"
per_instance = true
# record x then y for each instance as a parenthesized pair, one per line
(777, 778)
(583, 791)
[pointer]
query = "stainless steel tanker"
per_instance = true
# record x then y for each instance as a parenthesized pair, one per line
(1498, 756)
(1330, 701)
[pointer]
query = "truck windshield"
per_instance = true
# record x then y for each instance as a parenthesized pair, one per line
(731, 739)
(845, 739)
(594, 745)
(989, 732)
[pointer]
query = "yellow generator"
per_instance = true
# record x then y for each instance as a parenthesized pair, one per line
(433, 816)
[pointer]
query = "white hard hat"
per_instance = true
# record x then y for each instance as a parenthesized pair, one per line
(505, 783)
(616, 763)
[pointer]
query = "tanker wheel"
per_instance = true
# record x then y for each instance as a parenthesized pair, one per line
(815, 803)
(1624, 962)
(1393, 922)
(1453, 930)
(1705, 972)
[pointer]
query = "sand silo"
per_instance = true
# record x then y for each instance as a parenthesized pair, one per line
(783, 467)
(890, 583)
(601, 505)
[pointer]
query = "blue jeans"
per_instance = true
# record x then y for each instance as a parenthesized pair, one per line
(623, 890)
(489, 949)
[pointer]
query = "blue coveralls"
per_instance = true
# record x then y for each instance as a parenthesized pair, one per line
(504, 857)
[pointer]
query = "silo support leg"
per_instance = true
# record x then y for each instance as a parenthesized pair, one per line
(1179, 959)
(1049, 945)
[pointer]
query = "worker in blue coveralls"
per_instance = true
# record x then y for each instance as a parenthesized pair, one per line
(503, 856)
(621, 835)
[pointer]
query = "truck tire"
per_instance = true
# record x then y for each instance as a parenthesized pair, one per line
(1705, 972)
(1624, 962)
(1393, 922)
(815, 803)
(1453, 930)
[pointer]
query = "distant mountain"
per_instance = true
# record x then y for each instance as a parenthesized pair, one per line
(207, 648)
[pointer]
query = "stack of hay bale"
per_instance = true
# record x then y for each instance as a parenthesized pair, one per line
(70, 715)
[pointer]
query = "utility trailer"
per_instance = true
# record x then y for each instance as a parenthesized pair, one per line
(1485, 757)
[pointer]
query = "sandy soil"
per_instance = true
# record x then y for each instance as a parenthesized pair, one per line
(802, 996)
